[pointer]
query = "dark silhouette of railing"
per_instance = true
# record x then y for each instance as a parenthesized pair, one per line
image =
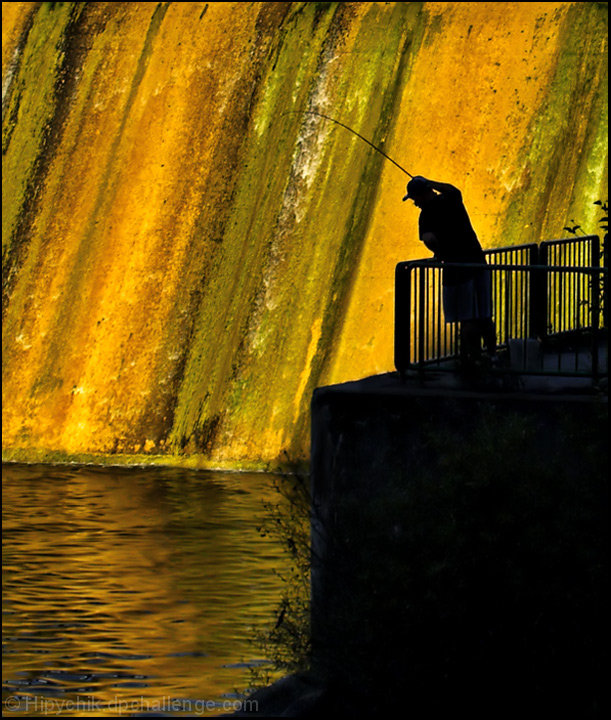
(548, 306)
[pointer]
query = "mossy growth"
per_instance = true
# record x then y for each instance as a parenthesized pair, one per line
(286, 642)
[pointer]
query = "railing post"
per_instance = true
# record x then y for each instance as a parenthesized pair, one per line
(403, 317)
(422, 316)
(605, 254)
(594, 251)
(595, 262)
(595, 283)
(538, 292)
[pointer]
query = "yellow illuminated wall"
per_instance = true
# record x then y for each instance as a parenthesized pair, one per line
(186, 255)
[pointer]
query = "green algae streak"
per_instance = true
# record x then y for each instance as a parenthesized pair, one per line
(187, 254)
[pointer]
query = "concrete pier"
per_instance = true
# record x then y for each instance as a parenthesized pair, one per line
(459, 546)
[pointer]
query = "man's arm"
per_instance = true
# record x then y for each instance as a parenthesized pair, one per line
(430, 240)
(445, 189)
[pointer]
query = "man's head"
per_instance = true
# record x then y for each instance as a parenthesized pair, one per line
(420, 191)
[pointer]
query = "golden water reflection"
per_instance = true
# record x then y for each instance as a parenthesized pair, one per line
(133, 588)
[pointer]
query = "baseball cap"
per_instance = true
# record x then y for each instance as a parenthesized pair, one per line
(416, 186)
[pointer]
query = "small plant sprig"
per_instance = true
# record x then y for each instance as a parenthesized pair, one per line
(603, 221)
(604, 225)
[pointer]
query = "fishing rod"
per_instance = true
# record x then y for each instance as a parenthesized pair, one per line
(354, 132)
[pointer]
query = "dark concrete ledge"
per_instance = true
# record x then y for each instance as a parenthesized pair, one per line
(501, 387)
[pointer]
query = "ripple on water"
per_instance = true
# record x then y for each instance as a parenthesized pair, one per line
(122, 586)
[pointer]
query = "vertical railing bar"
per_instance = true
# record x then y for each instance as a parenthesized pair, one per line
(495, 297)
(526, 280)
(561, 304)
(560, 293)
(447, 350)
(516, 308)
(568, 293)
(434, 315)
(595, 262)
(507, 305)
(525, 285)
(437, 327)
(575, 295)
(579, 316)
(416, 334)
(595, 284)
(518, 305)
(421, 316)
(424, 313)
(588, 261)
(558, 285)
(432, 304)
(414, 338)
(427, 315)
(575, 275)
(584, 301)
(443, 324)
(440, 327)
(523, 319)
(500, 304)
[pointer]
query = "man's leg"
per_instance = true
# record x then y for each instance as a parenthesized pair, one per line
(470, 340)
(487, 331)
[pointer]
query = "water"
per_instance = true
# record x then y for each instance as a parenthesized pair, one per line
(134, 591)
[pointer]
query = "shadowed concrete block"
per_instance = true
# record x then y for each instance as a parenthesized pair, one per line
(458, 546)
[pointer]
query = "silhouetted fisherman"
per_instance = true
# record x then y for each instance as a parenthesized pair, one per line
(446, 230)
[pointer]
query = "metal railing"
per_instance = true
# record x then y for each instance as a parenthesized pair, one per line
(564, 304)
(549, 317)
(582, 251)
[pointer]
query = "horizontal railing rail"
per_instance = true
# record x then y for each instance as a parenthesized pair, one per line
(536, 308)
(514, 255)
(579, 251)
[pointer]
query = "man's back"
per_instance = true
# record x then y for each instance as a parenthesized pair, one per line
(446, 217)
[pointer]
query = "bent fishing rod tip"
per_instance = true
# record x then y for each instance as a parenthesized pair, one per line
(354, 132)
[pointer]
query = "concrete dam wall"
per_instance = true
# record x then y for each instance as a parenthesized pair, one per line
(188, 252)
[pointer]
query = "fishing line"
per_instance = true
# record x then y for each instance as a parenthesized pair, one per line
(354, 132)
